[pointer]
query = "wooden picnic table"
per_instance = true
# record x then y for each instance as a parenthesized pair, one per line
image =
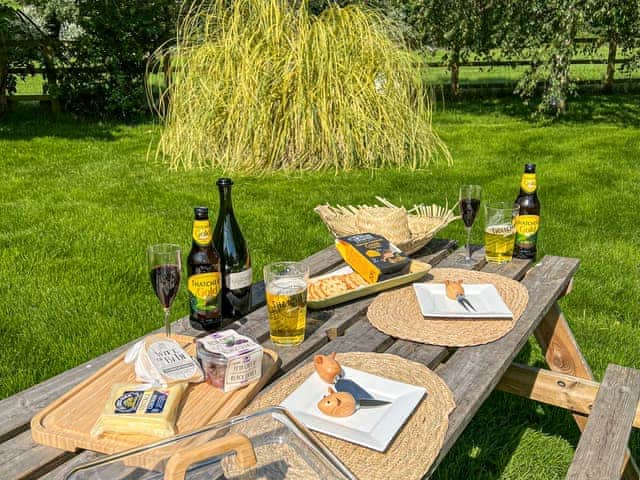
(471, 373)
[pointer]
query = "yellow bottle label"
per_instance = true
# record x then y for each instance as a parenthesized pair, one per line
(202, 232)
(528, 184)
(205, 285)
(204, 291)
(527, 225)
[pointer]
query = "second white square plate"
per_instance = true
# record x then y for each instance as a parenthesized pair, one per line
(370, 427)
(484, 297)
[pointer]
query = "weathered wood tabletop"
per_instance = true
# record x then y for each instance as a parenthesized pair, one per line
(471, 373)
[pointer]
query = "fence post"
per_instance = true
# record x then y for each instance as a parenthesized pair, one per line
(611, 63)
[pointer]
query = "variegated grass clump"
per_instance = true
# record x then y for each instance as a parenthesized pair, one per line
(263, 85)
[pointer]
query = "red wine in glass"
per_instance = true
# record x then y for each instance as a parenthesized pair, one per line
(165, 268)
(469, 209)
(165, 280)
(470, 196)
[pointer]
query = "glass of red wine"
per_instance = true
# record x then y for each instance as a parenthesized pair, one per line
(165, 268)
(470, 196)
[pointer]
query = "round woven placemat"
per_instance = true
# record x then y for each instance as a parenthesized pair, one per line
(397, 313)
(414, 448)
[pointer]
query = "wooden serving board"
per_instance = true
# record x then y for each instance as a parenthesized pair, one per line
(417, 270)
(66, 423)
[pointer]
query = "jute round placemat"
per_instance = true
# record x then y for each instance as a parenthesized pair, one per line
(419, 441)
(397, 313)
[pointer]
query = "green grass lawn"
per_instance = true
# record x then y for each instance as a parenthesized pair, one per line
(80, 202)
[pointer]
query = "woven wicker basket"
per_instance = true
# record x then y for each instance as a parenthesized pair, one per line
(408, 230)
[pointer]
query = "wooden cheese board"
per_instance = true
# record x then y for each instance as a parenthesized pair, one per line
(66, 423)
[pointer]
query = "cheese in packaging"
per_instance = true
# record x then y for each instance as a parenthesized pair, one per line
(140, 410)
(229, 360)
(161, 361)
(372, 256)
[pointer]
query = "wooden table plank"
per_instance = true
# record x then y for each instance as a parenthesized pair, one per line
(473, 372)
(23, 458)
(601, 451)
(457, 259)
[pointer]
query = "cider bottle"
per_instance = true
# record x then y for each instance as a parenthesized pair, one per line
(204, 279)
(237, 274)
(528, 220)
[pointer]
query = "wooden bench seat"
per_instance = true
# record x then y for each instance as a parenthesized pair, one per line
(600, 454)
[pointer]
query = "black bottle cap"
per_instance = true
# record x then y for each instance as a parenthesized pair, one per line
(201, 213)
(530, 168)
(224, 182)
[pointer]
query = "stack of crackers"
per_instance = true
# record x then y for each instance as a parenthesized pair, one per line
(327, 287)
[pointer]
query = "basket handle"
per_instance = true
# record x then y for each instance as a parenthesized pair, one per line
(179, 463)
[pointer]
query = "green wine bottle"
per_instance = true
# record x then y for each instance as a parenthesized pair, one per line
(237, 275)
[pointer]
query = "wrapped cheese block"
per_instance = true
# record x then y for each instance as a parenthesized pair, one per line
(372, 256)
(140, 410)
(161, 361)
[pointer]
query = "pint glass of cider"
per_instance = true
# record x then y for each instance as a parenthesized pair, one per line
(286, 285)
(500, 231)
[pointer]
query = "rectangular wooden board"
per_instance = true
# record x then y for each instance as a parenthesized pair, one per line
(417, 271)
(66, 422)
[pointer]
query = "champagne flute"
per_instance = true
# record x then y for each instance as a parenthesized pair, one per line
(470, 196)
(165, 267)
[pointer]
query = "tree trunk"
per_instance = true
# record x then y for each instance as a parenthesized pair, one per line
(48, 53)
(4, 74)
(611, 64)
(454, 64)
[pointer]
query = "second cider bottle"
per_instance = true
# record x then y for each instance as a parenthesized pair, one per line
(237, 274)
(528, 220)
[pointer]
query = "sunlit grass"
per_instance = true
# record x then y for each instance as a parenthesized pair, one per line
(79, 204)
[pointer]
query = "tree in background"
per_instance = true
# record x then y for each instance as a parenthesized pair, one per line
(617, 25)
(545, 31)
(465, 28)
(106, 74)
(7, 19)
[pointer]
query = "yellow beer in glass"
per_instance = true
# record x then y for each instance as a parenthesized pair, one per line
(286, 285)
(500, 231)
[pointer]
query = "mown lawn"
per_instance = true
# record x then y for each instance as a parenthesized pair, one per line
(80, 202)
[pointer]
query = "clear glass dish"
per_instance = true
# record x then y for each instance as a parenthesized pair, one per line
(268, 445)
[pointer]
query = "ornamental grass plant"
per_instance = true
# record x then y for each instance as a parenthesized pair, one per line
(263, 85)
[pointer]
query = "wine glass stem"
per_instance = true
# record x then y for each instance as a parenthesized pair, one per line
(468, 243)
(167, 322)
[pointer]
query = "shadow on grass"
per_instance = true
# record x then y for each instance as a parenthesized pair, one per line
(614, 109)
(26, 121)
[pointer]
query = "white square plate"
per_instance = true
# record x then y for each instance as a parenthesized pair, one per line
(484, 297)
(370, 427)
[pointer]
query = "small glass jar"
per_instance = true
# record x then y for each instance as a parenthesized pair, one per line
(213, 365)
(229, 360)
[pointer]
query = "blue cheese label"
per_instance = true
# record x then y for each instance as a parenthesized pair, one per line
(128, 402)
(157, 402)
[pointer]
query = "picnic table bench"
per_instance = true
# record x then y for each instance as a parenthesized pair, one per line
(471, 373)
